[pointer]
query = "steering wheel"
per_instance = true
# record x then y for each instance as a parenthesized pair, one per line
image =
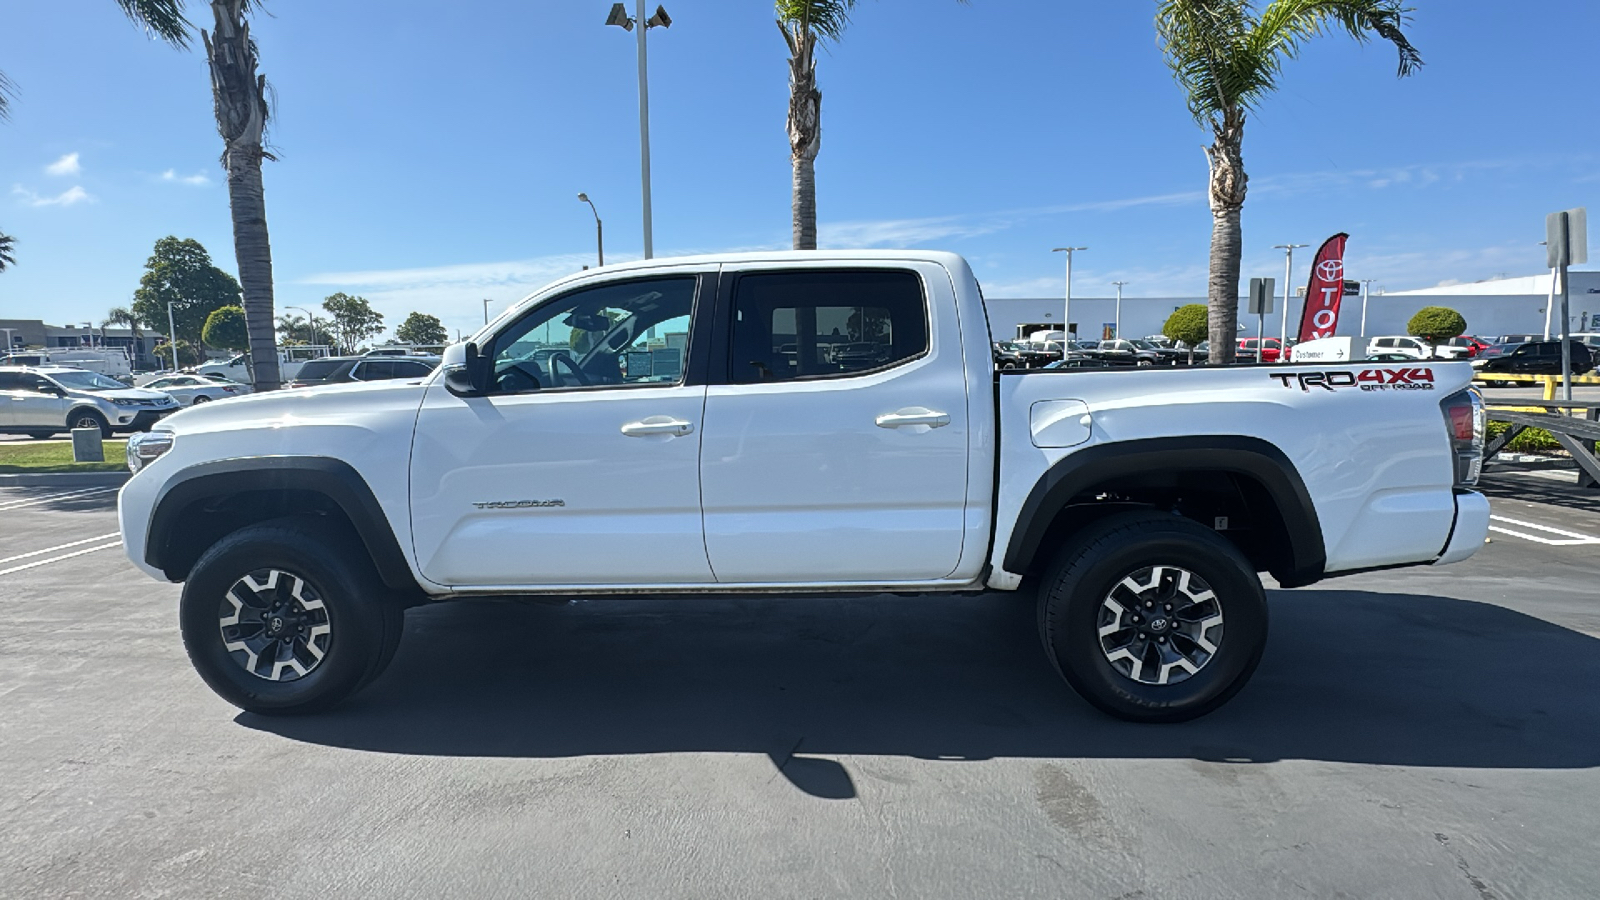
(566, 360)
(516, 378)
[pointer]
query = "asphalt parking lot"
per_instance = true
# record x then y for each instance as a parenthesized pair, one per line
(1410, 734)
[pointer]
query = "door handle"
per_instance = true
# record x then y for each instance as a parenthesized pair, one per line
(913, 415)
(658, 425)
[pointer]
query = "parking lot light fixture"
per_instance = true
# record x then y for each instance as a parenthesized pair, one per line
(619, 17)
(1118, 317)
(599, 235)
(1066, 317)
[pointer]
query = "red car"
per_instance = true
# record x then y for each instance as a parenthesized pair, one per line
(1271, 349)
(1463, 347)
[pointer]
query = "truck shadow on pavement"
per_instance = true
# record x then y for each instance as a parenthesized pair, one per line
(1348, 676)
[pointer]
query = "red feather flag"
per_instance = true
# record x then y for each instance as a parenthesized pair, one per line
(1320, 317)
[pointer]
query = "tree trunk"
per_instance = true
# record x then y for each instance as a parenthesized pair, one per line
(254, 252)
(805, 132)
(1228, 183)
(239, 96)
(805, 203)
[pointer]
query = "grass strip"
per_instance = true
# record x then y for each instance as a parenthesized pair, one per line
(53, 458)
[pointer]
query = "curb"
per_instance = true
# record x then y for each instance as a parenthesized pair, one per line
(66, 479)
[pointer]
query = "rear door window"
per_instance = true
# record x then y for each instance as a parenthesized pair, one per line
(825, 324)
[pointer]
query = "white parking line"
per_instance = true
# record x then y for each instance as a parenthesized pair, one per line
(1569, 539)
(45, 562)
(103, 537)
(79, 494)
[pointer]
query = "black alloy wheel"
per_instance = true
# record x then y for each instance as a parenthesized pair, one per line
(1152, 617)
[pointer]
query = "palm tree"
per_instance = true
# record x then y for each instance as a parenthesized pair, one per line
(240, 97)
(1227, 59)
(8, 256)
(805, 24)
(121, 315)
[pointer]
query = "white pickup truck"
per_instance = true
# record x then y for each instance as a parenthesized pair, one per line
(714, 424)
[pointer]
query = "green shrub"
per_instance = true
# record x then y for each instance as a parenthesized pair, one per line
(1187, 324)
(1530, 440)
(1436, 323)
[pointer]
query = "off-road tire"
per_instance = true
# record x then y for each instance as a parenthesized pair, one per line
(361, 614)
(1085, 584)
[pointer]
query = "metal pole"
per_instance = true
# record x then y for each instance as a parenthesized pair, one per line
(1550, 304)
(644, 129)
(1566, 343)
(1066, 312)
(172, 337)
(1364, 290)
(486, 310)
(1118, 316)
(1288, 273)
(599, 235)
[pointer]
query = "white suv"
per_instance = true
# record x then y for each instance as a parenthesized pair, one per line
(1401, 345)
(41, 401)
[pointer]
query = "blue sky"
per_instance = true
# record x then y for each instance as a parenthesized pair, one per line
(430, 153)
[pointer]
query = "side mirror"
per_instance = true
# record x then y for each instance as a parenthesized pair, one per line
(471, 378)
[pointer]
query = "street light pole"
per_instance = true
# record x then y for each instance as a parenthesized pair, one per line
(311, 323)
(619, 17)
(1365, 284)
(172, 337)
(599, 235)
(486, 310)
(1118, 316)
(1288, 273)
(1067, 330)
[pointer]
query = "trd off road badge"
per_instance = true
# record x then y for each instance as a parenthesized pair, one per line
(1402, 379)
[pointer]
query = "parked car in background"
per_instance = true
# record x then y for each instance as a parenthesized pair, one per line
(1259, 350)
(42, 401)
(1009, 355)
(1166, 354)
(1464, 347)
(1118, 352)
(1530, 358)
(1588, 337)
(1516, 338)
(192, 389)
(1401, 345)
(342, 369)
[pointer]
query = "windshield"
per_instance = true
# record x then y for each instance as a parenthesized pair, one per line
(86, 381)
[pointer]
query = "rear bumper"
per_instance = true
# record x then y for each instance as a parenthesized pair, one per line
(1472, 528)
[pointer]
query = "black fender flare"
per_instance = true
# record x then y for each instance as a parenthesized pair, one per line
(335, 479)
(1251, 457)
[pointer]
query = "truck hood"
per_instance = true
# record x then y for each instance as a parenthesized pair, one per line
(289, 408)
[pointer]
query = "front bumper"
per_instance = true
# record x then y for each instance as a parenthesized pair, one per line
(142, 419)
(1472, 528)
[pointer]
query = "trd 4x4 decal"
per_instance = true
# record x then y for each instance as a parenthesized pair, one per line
(1402, 379)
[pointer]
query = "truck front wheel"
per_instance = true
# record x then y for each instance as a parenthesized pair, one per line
(1153, 618)
(288, 616)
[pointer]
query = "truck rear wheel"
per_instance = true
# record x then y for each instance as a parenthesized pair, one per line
(1153, 618)
(288, 616)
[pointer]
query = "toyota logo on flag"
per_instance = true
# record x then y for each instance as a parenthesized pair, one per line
(1331, 269)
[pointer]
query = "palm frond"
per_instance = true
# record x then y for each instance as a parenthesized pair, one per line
(162, 18)
(1286, 24)
(824, 18)
(7, 92)
(1226, 57)
(7, 253)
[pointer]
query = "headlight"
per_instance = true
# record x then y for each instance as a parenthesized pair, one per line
(144, 448)
(124, 401)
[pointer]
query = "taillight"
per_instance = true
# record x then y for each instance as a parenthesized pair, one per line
(1466, 421)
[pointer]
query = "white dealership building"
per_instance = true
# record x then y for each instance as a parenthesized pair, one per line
(1495, 307)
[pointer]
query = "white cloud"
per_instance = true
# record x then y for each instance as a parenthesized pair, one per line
(69, 197)
(199, 179)
(901, 232)
(66, 165)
